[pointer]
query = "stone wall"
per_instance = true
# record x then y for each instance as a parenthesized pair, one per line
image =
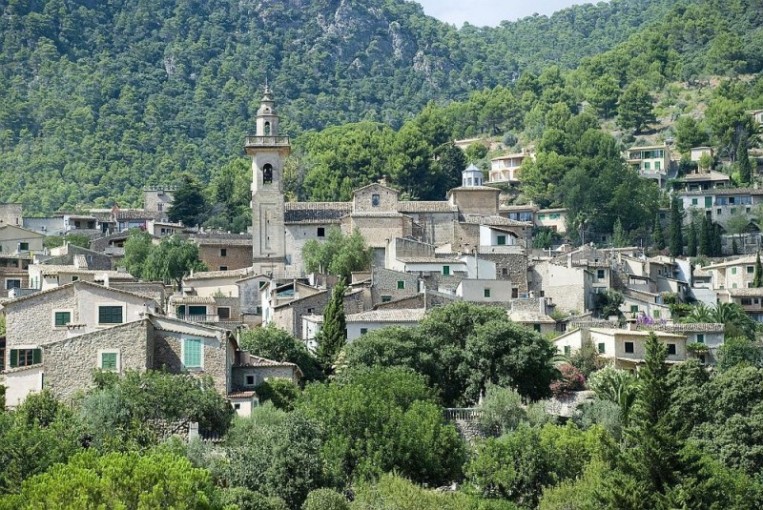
(480, 201)
(69, 364)
(385, 284)
(511, 267)
(216, 359)
(289, 316)
(11, 214)
(362, 199)
(30, 322)
(261, 374)
(377, 230)
(236, 256)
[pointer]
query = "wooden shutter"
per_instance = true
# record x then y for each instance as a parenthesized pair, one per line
(14, 358)
(37, 356)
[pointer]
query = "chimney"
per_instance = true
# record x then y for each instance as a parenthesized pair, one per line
(105, 279)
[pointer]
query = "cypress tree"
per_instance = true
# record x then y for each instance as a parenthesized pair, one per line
(757, 280)
(718, 245)
(691, 242)
(333, 333)
(743, 161)
(705, 236)
(676, 224)
(659, 237)
(619, 238)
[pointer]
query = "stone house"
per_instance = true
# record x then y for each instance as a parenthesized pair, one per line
(626, 348)
(249, 372)
(359, 324)
(224, 252)
(16, 240)
(14, 273)
(12, 214)
(61, 313)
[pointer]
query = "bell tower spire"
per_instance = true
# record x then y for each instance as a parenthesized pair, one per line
(268, 150)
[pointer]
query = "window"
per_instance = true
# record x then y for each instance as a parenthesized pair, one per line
(504, 271)
(657, 165)
(25, 357)
(192, 353)
(61, 318)
(109, 361)
(446, 270)
(310, 311)
(567, 350)
(197, 310)
(75, 278)
(223, 312)
(486, 292)
(401, 284)
(719, 212)
(656, 314)
(536, 328)
(694, 201)
(236, 406)
(249, 380)
(646, 165)
(708, 202)
(629, 347)
(267, 174)
(160, 207)
(363, 331)
(223, 268)
(514, 293)
(12, 283)
(321, 232)
(386, 299)
(110, 314)
(602, 348)
(700, 338)
(750, 269)
(375, 200)
(671, 349)
(23, 246)
(600, 274)
(634, 308)
(733, 270)
(223, 252)
(501, 240)
(702, 359)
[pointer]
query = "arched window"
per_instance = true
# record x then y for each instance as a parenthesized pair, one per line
(266, 129)
(267, 174)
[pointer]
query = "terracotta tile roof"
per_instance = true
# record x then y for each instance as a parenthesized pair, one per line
(424, 206)
(241, 394)
(73, 285)
(315, 212)
(250, 360)
(233, 273)
(494, 221)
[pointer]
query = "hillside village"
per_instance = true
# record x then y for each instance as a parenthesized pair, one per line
(70, 310)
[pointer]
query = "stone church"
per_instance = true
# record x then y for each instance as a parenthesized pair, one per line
(468, 221)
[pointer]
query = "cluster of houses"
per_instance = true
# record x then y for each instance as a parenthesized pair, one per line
(71, 310)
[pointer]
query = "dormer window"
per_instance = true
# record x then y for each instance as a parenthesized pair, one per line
(375, 200)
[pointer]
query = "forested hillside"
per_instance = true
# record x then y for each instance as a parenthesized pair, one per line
(98, 99)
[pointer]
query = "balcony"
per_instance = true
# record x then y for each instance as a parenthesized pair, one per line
(199, 318)
(266, 141)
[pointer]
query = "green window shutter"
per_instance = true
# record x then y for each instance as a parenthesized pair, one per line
(602, 348)
(708, 202)
(446, 270)
(110, 315)
(634, 308)
(197, 310)
(567, 350)
(109, 361)
(192, 353)
(14, 358)
(401, 284)
(63, 318)
(701, 338)
(37, 356)
(501, 240)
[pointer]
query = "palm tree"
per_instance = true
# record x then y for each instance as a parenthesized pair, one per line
(735, 320)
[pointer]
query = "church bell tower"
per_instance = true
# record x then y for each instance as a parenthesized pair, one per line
(268, 150)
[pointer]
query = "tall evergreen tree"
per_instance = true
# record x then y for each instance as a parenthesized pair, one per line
(757, 280)
(658, 237)
(619, 237)
(705, 237)
(717, 243)
(743, 161)
(676, 225)
(691, 241)
(333, 333)
(189, 205)
(649, 463)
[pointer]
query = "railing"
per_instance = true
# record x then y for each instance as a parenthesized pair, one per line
(462, 413)
(199, 318)
(255, 140)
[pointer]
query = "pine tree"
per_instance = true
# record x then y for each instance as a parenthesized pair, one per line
(757, 280)
(743, 161)
(676, 224)
(333, 333)
(659, 237)
(691, 242)
(619, 237)
(734, 246)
